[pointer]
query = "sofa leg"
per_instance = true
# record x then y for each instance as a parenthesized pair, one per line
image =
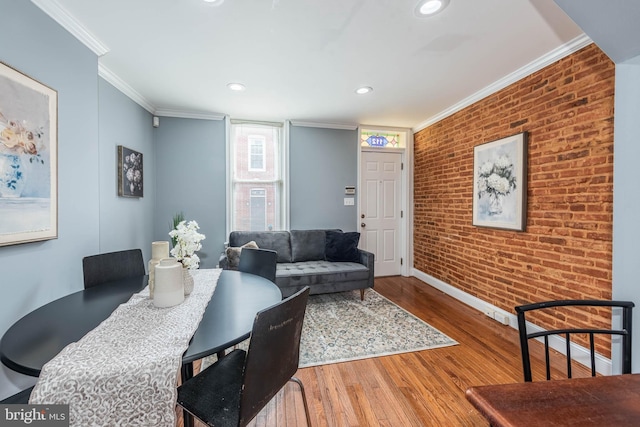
(361, 294)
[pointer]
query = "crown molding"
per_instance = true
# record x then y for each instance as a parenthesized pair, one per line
(189, 114)
(71, 24)
(340, 126)
(124, 87)
(136, 97)
(545, 60)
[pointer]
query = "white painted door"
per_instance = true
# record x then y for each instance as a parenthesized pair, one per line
(380, 210)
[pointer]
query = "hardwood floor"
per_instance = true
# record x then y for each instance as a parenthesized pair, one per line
(424, 388)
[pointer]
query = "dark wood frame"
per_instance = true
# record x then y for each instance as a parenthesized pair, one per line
(130, 187)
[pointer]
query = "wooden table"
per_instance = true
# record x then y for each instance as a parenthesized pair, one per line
(598, 401)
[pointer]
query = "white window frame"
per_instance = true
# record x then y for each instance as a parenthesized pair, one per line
(283, 161)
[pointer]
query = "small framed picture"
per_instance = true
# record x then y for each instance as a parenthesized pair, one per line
(130, 173)
(499, 186)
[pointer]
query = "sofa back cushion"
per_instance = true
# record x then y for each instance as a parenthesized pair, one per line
(307, 245)
(275, 240)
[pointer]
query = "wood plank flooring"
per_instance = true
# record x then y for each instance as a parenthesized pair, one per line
(423, 388)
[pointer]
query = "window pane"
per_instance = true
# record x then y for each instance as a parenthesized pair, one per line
(258, 210)
(256, 153)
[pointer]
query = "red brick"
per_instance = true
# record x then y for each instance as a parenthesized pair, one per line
(566, 250)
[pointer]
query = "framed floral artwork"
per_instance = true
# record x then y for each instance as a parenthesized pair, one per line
(499, 185)
(28, 159)
(130, 173)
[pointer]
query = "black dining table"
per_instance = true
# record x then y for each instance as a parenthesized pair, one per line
(40, 335)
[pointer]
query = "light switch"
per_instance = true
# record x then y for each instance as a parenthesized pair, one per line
(348, 201)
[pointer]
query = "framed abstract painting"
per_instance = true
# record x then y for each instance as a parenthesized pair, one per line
(499, 186)
(28, 159)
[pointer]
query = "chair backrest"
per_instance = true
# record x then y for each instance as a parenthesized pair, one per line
(261, 262)
(112, 266)
(273, 353)
(566, 332)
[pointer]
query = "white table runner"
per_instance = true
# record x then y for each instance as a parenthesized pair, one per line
(125, 371)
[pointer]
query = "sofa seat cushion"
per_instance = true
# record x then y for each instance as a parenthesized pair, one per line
(309, 273)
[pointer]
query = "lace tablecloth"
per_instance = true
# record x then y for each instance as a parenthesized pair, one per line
(125, 371)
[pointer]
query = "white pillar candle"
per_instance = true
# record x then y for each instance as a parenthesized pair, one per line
(159, 250)
(169, 287)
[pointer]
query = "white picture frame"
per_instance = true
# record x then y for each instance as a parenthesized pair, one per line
(500, 183)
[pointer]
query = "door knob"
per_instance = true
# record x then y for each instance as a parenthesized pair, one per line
(363, 225)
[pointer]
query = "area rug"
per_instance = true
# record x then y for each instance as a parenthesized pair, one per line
(340, 327)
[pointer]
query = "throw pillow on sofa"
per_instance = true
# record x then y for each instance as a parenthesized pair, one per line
(342, 247)
(233, 254)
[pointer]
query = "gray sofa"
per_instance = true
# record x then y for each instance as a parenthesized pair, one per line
(302, 260)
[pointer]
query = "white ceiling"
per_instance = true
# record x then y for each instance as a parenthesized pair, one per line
(302, 60)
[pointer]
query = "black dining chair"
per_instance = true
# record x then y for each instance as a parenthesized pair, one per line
(233, 390)
(261, 262)
(20, 398)
(112, 266)
(577, 307)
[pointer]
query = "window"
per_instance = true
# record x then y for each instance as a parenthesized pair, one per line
(256, 176)
(256, 153)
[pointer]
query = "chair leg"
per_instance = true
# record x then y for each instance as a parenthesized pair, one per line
(361, 294)
(304, 399)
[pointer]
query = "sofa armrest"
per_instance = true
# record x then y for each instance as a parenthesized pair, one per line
(367, 259)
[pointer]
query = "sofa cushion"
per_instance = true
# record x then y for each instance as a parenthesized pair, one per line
(307, 245)
(275, 240)
(311, 273)
(342, 247)
(233, 254)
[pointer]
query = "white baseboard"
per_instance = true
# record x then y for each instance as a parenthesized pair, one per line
(578, 353)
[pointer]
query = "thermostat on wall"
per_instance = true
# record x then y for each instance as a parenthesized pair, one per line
(350, 190)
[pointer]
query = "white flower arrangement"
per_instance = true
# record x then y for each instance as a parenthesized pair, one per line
(496, 178)
(187, 242)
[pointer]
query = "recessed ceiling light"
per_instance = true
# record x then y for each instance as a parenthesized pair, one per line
(214, 2)
(236, 86)
(364, 89)
(430, 7)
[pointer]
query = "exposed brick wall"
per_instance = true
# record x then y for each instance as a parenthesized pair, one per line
(565, 252)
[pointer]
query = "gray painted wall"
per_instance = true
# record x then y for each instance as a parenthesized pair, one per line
(626, 200)
(124, 222)
(36, 273)
(191, 178)
(321, 163)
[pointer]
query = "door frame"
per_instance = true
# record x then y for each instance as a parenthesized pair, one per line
(405, 233)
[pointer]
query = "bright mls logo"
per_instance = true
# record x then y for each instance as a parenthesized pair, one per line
(34, 415)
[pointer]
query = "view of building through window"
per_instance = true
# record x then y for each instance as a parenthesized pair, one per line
(256, 176)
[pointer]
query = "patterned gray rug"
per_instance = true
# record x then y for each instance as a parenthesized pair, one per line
(340, 327)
